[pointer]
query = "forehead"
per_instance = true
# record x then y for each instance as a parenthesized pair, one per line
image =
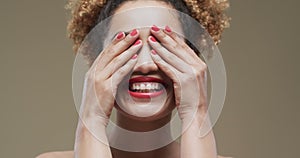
(141, 14)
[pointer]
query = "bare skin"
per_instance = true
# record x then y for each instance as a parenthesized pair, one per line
(70, 154)
(170, 59)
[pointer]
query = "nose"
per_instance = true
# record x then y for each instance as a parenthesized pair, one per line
(145, 64)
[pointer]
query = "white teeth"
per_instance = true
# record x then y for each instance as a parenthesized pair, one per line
(149, 86)
(143, 86)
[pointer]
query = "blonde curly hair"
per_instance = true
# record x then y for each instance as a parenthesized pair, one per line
(85, 14)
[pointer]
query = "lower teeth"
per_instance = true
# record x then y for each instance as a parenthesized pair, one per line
(144, 91)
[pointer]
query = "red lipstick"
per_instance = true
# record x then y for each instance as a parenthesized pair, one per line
(146, 87)
(146, 79)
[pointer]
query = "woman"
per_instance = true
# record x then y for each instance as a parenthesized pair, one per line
(160, 69)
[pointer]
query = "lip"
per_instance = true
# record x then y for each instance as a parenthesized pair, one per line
(145, 95)
(146, 79)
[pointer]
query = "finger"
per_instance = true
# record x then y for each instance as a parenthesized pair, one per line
(172, 45)
(165, 67)
(165, 40)
(175, 37)
(176, 46)
(191, 53)
(118, 76)
(169, 57)
(120, 60)
(115, 48)
(120, 36)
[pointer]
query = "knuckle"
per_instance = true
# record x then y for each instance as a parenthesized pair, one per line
(126, 52)
(189, 78)
(204, 67)
(128, 40)
(177, 46)
(163, 36)
(186, 47)
(171, 34)
(122, 71)
(170, 72)
(199, 74)
(176, 86)
(117, 60)
(170, 57)
(98, 78)
(111, 51)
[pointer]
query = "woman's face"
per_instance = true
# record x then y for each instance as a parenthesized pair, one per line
(148, 95)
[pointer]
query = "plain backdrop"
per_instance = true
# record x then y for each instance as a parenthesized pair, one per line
(261, 115)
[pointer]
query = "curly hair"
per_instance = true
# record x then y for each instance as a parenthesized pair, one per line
(87, 13)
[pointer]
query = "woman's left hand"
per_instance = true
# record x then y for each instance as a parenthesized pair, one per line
(187, 71)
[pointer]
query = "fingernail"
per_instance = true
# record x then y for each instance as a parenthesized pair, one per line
(137, 42)
(155, 28)
(153, 52)
(152, 39)
(135, 56)
(120, 35)
(133, 32)
(168, 29)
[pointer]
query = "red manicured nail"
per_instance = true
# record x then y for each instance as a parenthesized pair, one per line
(155, 28)
(168, 29)
(152, 39)
(120, 35)
(135, 56)
(137, 42)
(133, 32)
(153, 52)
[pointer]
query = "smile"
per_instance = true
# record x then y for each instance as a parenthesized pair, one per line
(146, 87)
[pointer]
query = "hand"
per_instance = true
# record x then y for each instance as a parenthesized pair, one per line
(102, 79)
(187, 71)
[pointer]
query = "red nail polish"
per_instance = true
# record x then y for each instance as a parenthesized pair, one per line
(133, 32)
(155, 28)
(168, 29)
(137, 42)
(153, 52)
(152, 39)
(134, 57)
(120, 35)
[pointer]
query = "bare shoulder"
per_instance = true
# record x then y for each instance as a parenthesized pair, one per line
(219, 156)
(70, 154)
(57, 154)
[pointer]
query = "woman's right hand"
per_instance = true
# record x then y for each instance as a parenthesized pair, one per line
(104, 76)
(100, 85)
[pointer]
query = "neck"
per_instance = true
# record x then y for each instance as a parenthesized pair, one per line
(141, 125)
(171, 150)
(147, 134)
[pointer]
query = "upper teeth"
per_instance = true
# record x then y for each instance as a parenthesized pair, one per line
(145, 86)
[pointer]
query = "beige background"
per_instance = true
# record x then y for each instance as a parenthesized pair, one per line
(261, 115)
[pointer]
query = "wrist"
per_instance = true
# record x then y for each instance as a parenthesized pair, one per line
(94, 121)
(89, 127)
(87, 134)
(195, 119)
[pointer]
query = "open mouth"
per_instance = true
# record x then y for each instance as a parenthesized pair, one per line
(146, 87)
